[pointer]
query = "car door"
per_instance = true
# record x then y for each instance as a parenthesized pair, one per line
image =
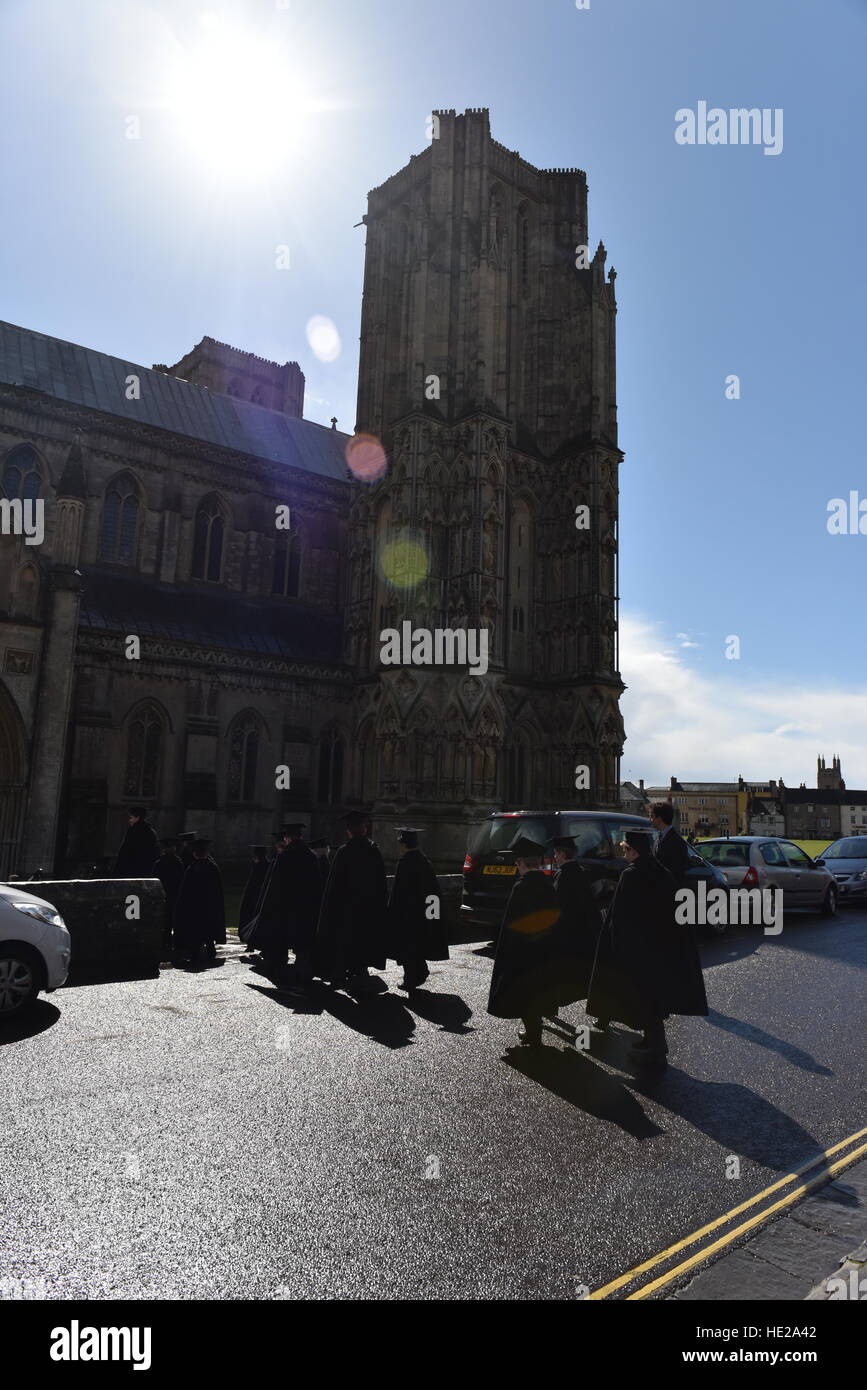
(812, 881)
(777, 872)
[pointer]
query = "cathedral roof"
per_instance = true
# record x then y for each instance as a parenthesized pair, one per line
(127, 603)
(84, 377)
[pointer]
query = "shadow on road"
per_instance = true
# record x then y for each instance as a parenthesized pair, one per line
(575, 1078)
(740, 1121)
(449, 1011)
(796, 1055)
(111, 974)
(382, 1017)
(41, 1016)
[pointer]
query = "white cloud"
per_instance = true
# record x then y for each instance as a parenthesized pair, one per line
(679, 723)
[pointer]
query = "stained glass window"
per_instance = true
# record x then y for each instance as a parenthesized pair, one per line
(117, 542)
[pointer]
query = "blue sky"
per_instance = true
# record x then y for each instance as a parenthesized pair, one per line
(728, 261)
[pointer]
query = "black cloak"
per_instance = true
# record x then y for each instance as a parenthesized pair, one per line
(580, 915)
(648, 965)
(139, 852)
(289, 903)
(411, 935)
(253, 891)
(170, 872)
(538, 965)
(200, 912)
(352, 923)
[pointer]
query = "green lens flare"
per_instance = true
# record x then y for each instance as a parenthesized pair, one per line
(404, 564)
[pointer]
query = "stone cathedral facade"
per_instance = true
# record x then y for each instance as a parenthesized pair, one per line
(487, 371)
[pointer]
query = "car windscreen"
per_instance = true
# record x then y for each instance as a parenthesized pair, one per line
(725, 855)
(495, 836)
(846, 849)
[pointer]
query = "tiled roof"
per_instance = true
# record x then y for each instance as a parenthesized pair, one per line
(804, 796)
(210, 618)
(88, 378)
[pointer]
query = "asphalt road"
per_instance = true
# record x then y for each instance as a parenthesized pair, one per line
(203, 1136)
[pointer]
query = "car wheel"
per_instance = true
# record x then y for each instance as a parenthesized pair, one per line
(829, 903)
(19, 980)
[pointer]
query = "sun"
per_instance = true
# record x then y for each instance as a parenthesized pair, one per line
(237, 99)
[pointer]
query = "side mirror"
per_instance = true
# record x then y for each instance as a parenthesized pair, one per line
(820, 862)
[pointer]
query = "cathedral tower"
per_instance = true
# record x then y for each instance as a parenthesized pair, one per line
(487, 371)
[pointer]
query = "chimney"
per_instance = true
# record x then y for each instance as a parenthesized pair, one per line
(641, 784)
(674, 784)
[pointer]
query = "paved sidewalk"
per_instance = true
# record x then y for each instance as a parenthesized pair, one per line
(800, 1255)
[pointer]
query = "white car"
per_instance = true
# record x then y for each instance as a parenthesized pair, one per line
(35, 948)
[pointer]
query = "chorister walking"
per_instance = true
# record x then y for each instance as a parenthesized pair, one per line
(648, 966)
(539, 964)
(200, 911)
(416, 931)
(352, 930)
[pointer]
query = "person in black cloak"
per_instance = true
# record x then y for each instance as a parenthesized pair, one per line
(200, 911)
(170, 872)
(140, 849)
(186, 839)
(253, 887)
(537, 963)
(289, 907)
(320, 849)
(649, 968)
(415, 935)
(351, 935)
(579, 909)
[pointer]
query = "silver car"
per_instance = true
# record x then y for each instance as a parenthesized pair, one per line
(847, 861)
(759, 861)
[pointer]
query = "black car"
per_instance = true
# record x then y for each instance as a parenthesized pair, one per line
(490, 869)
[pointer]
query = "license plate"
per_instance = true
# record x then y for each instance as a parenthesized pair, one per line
(499, 869)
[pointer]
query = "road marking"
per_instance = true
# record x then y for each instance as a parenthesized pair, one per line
(631, 1275)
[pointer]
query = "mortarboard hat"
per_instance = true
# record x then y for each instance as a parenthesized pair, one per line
(188, 835)
(640, 840)
(356, 818)
(202, 844)
(318, 844)
(524, 848)
(408, 835)
(137, 811)
(561, 842)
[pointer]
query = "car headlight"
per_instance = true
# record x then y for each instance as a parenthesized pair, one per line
(42, 914)
(860, 877)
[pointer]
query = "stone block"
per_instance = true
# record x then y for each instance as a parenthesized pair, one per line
(95, 911)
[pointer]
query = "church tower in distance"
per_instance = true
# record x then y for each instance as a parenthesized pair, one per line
(487, 371)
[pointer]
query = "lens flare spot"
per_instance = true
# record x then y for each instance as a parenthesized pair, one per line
(365, 458)
(323, 338)
(536, 922)
(404, 563)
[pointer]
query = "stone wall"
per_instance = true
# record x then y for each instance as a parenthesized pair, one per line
(95, 911)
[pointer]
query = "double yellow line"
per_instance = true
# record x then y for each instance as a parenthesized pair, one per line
(828, 1170)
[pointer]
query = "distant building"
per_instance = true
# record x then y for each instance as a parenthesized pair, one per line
(765, 811)
(707, 808)
(826, 811)
(634, 799)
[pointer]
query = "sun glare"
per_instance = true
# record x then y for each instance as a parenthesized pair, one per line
(237, 100)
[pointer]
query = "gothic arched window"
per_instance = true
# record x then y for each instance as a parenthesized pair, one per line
(330, 767)
(208, 541)
(21, 476)
(243, 758)
(287, 565)
(117, 540)
(27, 593)
(144, 738)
